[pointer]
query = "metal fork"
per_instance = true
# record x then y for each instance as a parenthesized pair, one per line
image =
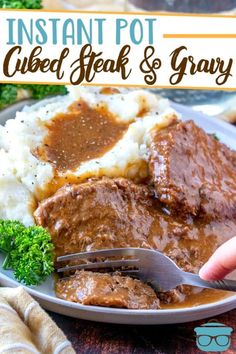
(150, 266)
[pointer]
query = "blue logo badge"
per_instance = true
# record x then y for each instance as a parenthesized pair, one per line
(213, 337)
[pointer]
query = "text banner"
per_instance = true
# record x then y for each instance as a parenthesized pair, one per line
(128, 49)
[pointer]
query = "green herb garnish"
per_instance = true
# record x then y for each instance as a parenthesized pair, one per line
(21, 4)
(29, 251)
(9, 92)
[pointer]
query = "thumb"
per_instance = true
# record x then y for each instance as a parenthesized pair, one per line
(221, 263)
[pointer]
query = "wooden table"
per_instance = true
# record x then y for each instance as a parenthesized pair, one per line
(101, 338)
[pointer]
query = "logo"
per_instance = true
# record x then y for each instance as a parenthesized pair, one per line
(213, 337)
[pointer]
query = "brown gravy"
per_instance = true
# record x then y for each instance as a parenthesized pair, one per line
(109, 91)
(202, 297)
(81, 134)
(117, 213)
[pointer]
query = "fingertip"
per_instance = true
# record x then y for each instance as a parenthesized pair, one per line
(213, 271)
(221, 263)
(204, 272)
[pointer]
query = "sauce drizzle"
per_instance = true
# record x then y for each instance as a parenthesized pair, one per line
(81, 134)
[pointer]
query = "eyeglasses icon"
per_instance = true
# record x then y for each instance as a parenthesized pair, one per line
(213, 336)
(221, 340)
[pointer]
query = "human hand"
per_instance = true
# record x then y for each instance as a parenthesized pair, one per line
(221, 263)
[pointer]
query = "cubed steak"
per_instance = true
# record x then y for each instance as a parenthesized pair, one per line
(110, 213)
(98, 214)
(117, 213)
(193, 172)
(102, 289)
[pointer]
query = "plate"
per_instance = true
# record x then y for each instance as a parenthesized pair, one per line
(45, 292)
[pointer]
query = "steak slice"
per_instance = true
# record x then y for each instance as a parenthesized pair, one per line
(102, 289)
(193, 173)
(98, 214)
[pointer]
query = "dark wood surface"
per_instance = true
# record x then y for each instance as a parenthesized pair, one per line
(101, 338)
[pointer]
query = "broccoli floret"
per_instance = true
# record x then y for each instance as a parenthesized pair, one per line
(9, 92)
(29, 251)
(21, 4)
(42, 91)
(8, 95)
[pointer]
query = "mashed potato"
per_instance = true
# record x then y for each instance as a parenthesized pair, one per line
(23, 175)
(16, 202)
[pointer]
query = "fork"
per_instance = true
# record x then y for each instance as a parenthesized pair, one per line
(150, 266)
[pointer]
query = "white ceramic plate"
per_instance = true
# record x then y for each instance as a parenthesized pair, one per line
(45, 293)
